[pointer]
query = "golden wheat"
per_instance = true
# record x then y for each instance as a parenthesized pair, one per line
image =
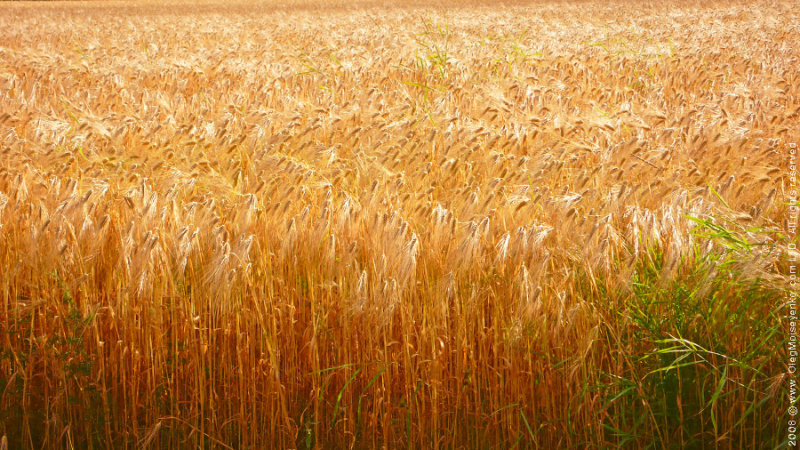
(354, 225)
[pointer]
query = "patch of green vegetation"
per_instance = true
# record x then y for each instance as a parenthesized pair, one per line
(693, 353)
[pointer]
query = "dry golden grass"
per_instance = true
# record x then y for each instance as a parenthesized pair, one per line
(332, 225)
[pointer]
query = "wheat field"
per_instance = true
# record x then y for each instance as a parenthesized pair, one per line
(423, 225)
